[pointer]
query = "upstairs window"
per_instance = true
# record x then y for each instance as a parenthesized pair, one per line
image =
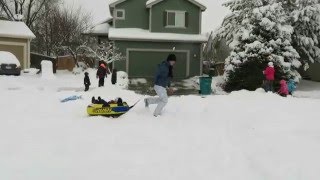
(175, 19)
(120, 14)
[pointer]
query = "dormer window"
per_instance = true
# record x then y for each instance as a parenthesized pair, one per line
(176, 19)
(120, 14)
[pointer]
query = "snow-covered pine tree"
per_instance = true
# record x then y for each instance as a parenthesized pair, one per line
(306, 36)
(258, 31)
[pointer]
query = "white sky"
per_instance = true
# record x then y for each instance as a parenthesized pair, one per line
(212, 17)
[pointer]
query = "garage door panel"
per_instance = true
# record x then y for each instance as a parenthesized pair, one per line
(144, 64)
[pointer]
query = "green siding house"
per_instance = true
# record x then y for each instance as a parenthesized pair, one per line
(146, 31)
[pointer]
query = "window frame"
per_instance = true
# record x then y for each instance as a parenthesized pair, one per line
(123, 13)
(175, 18)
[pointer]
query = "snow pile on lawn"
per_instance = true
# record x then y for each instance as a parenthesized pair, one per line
(244, 135)
(138, 81)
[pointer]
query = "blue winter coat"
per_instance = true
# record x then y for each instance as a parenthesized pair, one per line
(291, 86)
(162, 75)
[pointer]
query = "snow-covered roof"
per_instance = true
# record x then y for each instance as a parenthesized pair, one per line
(145, 35)
(150, 3)
(8, 58)
(100, 29)
(115, 2)
(15, 29)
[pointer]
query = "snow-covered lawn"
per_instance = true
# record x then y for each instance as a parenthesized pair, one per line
(240, 136)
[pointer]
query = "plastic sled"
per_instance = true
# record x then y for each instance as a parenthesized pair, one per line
(113, 110)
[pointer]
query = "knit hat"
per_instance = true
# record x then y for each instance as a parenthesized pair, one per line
(102, 65)
(172, 57)
(270, 64)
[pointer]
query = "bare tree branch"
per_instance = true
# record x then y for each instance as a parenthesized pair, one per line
(5, 7)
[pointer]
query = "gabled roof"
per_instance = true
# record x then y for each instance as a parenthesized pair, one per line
(14, 29)
(150, 3)
(115, 2)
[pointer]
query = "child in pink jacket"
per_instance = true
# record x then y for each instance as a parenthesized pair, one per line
(283, 91)
(269, 73)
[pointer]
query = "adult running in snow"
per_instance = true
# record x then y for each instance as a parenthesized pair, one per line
(162, 82)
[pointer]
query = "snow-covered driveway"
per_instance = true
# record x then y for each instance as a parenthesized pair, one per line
(243, 136)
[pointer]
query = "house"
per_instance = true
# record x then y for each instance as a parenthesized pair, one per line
(15, 37)
(146, 31)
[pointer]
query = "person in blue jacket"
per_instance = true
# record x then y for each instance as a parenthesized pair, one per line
(162, 81)
(291, 86)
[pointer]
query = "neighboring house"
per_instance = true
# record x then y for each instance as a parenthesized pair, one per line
(145, 32)
(15, 37)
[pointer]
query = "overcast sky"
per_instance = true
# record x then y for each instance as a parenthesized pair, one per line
(212, 17)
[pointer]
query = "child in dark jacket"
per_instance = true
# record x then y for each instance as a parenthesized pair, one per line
(87, 82)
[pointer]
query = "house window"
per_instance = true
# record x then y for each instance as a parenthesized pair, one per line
(175, 19)
(120, 14)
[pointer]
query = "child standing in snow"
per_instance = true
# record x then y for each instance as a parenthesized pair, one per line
(291, 86)
(269, 73)
(283, 91)
(87, 82)
(114, 76)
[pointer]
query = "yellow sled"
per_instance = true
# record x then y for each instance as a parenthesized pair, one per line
(113, 110)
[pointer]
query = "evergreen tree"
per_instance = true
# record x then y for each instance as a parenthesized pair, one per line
(306, 36)
(258, 31)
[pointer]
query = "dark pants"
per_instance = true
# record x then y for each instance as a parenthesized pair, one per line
(86, 87)
(101, 82)
(269, 86)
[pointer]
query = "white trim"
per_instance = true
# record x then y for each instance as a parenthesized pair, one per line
(25, 60)
(201, 59)
(12, 43)
(202, 7)
(175, 11)
(159, 50)
(28, 56)
(114, 18)
(200, 22)
(153, 3)
(150, 20)
(123, 13)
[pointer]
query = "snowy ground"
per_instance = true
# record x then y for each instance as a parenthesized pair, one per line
(243, 135)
